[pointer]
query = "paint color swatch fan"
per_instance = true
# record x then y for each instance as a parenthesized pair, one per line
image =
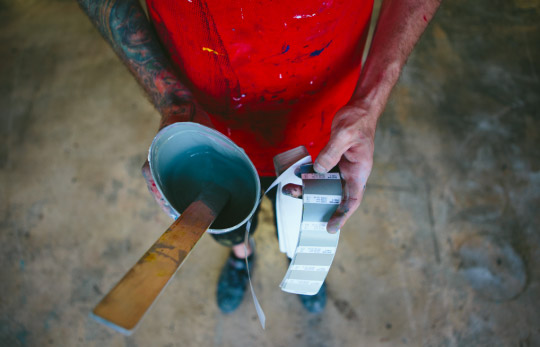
(302, 223)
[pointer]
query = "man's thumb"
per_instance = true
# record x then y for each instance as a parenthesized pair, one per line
(330, 155)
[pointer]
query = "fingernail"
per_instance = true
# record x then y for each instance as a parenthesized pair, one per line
(332, 228)
(319, 168)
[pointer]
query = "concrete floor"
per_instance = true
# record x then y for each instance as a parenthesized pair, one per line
(445, 250)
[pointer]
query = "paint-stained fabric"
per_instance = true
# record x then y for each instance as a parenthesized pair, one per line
(271, 74)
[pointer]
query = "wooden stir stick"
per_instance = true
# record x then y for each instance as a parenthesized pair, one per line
(124, 306)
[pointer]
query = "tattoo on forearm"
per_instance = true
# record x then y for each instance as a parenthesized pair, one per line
(124, 25)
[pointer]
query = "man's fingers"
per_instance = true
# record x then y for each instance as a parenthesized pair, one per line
(353, 191)
(152, 188)
(345, 210)
(342, 214)
(151, 184)
(292, 190)
(331, 153)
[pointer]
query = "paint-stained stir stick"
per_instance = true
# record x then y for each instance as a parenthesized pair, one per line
(127, 302)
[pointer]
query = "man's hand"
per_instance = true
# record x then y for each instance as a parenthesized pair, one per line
(400, 24)
(350, 147)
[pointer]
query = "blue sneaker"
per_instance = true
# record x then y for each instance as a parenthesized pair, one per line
(232, 282)
(315, 303)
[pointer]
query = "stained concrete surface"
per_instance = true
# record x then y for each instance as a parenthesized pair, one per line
(445, 250)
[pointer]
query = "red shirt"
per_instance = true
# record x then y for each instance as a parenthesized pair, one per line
(271, 74)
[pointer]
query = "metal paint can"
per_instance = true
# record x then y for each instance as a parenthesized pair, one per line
(185, 156)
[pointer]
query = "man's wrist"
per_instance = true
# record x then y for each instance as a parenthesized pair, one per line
(374, 87)
(175, 109)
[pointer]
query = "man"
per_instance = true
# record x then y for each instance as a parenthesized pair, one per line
(271, 75)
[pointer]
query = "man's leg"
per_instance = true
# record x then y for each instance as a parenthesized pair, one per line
(233, 279)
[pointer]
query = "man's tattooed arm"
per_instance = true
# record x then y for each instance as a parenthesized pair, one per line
(124, 25)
